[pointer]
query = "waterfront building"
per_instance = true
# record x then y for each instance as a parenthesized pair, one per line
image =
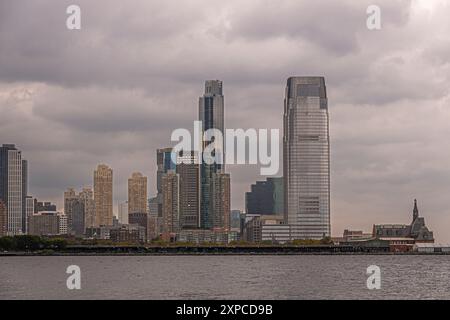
(266, 197)
(131, 233)
(137, 193)
(417, 230)
(103, 195)
(306, 157)
(253, 231)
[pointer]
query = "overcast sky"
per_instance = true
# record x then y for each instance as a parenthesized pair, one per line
(114, 91)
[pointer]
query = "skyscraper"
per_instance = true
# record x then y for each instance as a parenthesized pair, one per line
(70, 197)
(164, 163)
(306, 151)
(170, 183)
(188, 169)
(266, 197)
(87, 198)
(103, 195)
(137, 193)
(11, 187)
(24, 196)
(211, 114)
(220, 183)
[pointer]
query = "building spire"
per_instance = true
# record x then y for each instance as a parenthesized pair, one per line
(415, 211)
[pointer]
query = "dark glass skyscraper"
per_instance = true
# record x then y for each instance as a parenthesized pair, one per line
(266, 197)
(306, 151)
(12, 185)
(211, 114)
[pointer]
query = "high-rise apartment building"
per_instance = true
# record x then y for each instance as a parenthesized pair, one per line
(137, 193)
(211, 114)
(103, 195)
(188, 168)
(87, 198)
(220, 183)
(306, 151)
(165, 163)
(170, 183)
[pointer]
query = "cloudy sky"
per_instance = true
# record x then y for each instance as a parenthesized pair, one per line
(114, 91)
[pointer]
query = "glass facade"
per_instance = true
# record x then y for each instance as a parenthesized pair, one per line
(211, 114)
(306, 151)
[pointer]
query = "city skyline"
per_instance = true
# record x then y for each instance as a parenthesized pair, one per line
(73, 109)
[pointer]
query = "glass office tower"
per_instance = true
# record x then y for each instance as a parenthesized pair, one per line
(306, 151)
(211, 114)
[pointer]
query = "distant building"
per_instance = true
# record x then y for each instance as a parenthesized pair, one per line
(165, 164)
(356, 235)
(417, 230)
(103, 195)
(87, 198)
(127, 233)
(43, 206)
(266, 197)
(75, 209)
(221, 201)
(123, 212)
(154, 221)
(211, 114)
(235, 220)
(13, 187)
(188, 170)
(171, 205)
(140, 219)
(253, 231)
(306, 158)
(47, 224)
(62, 223)
(206, 236)
(137, 193)
(29, 211)
(3, 219)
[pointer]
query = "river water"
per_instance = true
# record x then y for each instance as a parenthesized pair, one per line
(226, 277)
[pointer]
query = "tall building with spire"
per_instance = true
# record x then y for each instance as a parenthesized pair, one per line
(306, 158)
(103, 195)
(211, 114)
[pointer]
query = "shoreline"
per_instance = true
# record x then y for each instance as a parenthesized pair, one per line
(123, 254)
